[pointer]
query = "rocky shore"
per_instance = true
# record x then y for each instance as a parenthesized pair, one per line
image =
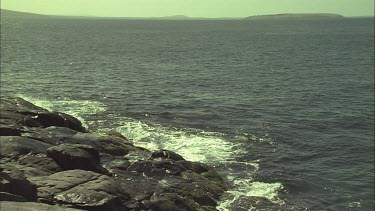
(49, 161)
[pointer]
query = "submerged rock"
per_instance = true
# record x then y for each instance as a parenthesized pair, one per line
(50, 159)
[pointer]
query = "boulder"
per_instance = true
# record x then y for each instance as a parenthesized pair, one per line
(81, 189)
(4, 196)
(171, 202)
(27, 114)
(166, 154)
(14, 182)
(9, 131)
(31, 206)
(14, 146)
(47, 119)
(41, 163)
(75, 156)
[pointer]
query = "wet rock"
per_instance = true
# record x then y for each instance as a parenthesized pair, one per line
(19, 105)
(4, 196)
(72, 122)
(156, 169)
(81, 189)
(199, 180)
(192, 191)
(166, 154)
(75, 156)
(27, 114)
(47, 119)
(40, 163)
(14, 146)
(14, 182)
(243, 203)
(8, 131)
(171, 202)
(105, 144)
(114, 133)
(31, 206)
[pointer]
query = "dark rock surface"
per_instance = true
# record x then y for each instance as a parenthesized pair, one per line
(50, 162)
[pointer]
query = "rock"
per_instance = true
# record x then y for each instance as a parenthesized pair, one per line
(72, 122)
(75, 156)
(171, 202)
(14, 182)
(105, 144)
(18, 104)
(114, 133)
(14, 146)
(199, 180)
(156, 169)
(254, 202)
(4, 196)
(81, 189)
(166, 154)
(8, 131)
(192, 191)
(27, 114)
(47, 119)
(31, 206)
(40, 163)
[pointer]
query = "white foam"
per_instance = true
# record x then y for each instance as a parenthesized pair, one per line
(76, 108)
(194, 146)
(250, 188)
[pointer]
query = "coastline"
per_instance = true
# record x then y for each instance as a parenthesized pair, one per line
(43, 153)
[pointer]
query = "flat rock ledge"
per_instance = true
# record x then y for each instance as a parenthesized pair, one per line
(49, 161)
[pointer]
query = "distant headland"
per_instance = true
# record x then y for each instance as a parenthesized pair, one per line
(295, 16)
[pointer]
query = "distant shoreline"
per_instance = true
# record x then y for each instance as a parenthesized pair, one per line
(295, 16)
(16, 14)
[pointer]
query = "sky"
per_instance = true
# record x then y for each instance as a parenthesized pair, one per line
(192, 8)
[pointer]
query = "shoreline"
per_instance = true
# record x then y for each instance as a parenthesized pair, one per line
(43, 153)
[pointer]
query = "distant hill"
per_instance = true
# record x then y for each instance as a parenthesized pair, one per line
(175, 17)
(15, 14)
(294, 16)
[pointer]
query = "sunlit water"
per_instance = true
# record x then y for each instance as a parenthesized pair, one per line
(282, 109)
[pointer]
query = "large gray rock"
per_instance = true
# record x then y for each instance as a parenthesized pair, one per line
(75, 156)
(4, 196)
(14, 182)
(31, 206)
(14, 146)
(24, 113)
(81, 189)
(166, 154)
(5, 130)
(43, 165)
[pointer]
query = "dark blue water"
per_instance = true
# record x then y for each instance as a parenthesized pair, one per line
(283, 109)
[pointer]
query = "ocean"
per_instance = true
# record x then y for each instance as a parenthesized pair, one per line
(284, 109)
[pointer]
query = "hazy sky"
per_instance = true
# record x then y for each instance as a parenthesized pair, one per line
(193, 8)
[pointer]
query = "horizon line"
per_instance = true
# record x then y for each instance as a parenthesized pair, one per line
(183, 16)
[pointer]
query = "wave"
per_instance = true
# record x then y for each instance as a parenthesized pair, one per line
(77, 108)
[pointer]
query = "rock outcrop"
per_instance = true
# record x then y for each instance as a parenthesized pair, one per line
(50, 161)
